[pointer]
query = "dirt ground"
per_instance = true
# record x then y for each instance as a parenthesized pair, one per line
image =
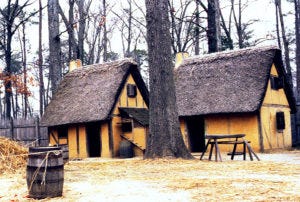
(275, 178)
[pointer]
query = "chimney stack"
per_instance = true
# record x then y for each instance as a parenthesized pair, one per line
(75, 64)
(180, 56)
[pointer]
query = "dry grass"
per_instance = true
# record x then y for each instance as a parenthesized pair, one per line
(275, 178)
(13, 156)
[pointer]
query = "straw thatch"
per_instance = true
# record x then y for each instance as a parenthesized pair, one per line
(227, 82)
(89, 94)
(13, 156)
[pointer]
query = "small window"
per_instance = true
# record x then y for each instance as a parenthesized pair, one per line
(276, 82)
(131, 90)
(126, 127)
(62, 132)
(280, 123)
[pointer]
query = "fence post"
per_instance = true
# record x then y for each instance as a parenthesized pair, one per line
(12, 129)
(37, 130)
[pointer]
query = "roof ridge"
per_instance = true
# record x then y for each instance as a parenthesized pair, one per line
(227, 54)
(101, 67)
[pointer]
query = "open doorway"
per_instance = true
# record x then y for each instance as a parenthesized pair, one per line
(93, 139)
(196, 131)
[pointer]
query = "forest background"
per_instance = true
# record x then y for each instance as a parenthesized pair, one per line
(34, 56)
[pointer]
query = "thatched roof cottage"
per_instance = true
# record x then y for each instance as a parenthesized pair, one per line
(244, 91)
(98, 106)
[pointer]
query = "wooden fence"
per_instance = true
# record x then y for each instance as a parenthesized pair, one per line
(29, 132)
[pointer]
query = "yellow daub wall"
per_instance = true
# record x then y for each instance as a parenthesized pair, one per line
(53, 138)
(138, 137)
(73, 152)
(125, 101)
(275, 101)
(105, 150)
(234, 124)
(77, 142)
(82, 150)
(137, 134)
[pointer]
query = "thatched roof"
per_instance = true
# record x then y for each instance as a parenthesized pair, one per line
(227, 82)
(140, 115)
(90, 93)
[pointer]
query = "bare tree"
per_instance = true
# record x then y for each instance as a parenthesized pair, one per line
(213, 26)
(297, 34)
(83, 15)
(186, 25)
(55, 72)
(10, 14)
(40, 62)
(164, 138)
(284, 41)
(24, 59)
(228, 42)
(197, 30)
(105, 40)
(131, 26)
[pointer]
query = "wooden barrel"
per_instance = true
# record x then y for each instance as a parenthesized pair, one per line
(126, 149)
(65, 152)
(45, 172)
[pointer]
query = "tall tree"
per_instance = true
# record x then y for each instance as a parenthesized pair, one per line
(40, 62)
(284, 41)
(182, 35)
(70, 24)
(10, 24)
(24, 59)
(83, 14)
(164, 139)
(55, 72)
(197, 30)
(213, 26)
(297, 33)
(105, 40)
(132, 27)
(226, 42)
(277, 26)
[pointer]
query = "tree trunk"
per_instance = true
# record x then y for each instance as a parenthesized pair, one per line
(70, 27)
(285, 43)
(164, 139)
(213, 26)
(227, 30)
(277, 27)
(129, 36)
(24, 73)
(8, 86)
(104, 32)
(54, 45)
(238, 22)
(40, 62)
(197, 30)
(81, 31)
(297, 33)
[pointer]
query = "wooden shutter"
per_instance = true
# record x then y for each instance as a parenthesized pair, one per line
(131, 90)
(277, 82)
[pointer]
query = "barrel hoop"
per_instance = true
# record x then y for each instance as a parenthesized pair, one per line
(43, 168)
(48, 181)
